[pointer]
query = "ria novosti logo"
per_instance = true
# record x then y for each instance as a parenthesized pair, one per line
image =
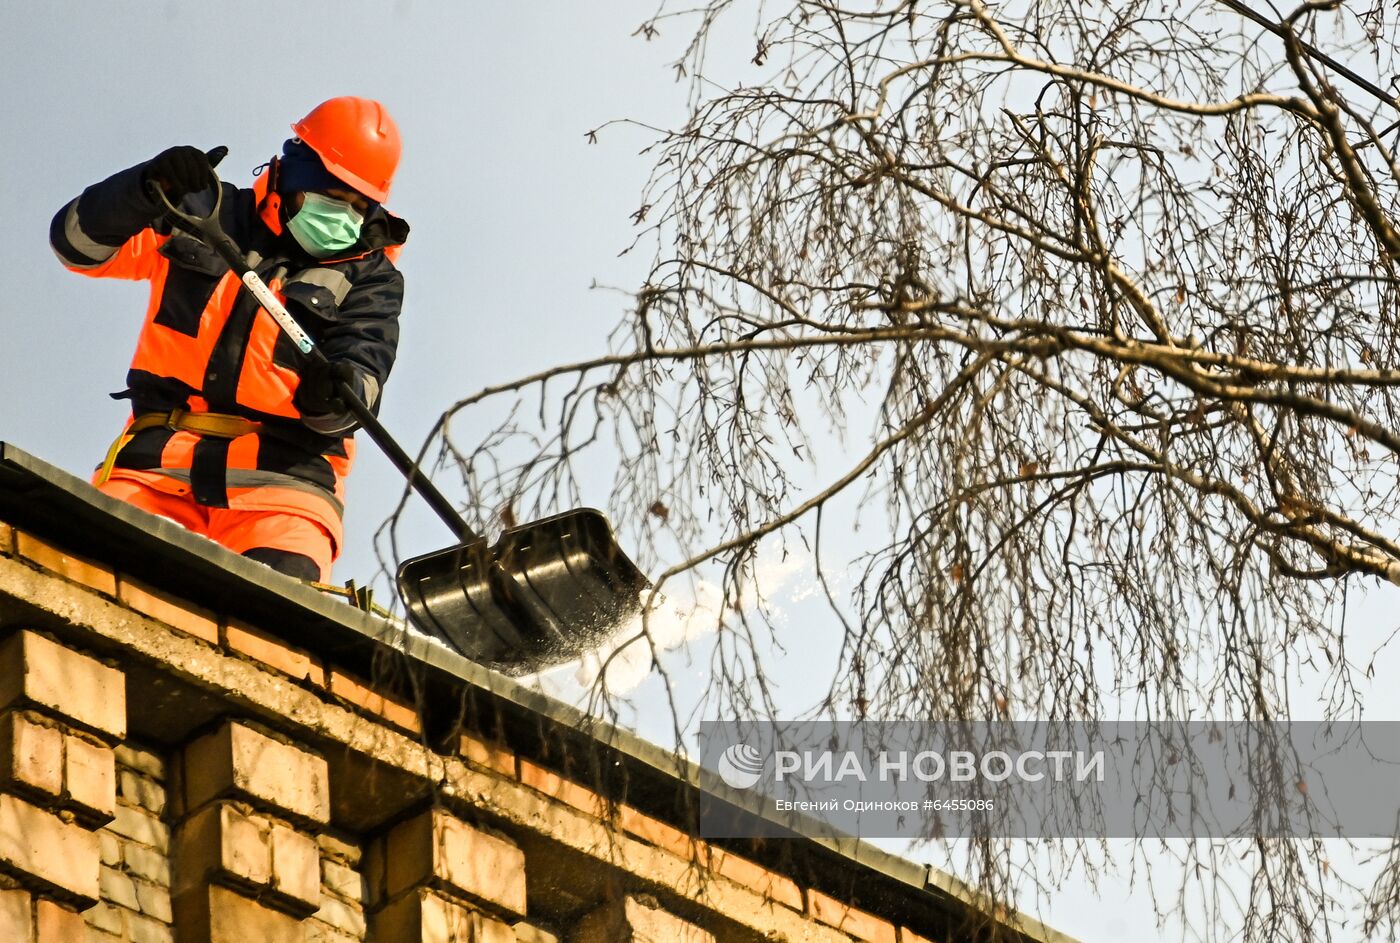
(741, 766)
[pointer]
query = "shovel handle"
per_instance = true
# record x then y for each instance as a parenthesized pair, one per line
(406, 465)
(213, 234)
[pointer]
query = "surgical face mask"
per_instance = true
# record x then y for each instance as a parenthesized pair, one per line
(324, 225)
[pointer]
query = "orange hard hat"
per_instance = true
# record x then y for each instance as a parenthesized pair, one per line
(356, 140)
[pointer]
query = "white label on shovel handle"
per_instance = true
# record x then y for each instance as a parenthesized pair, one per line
(274, 307)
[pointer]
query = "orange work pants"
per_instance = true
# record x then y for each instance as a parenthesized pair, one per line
(297, 546)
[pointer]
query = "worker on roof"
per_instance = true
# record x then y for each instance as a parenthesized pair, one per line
(234, 432)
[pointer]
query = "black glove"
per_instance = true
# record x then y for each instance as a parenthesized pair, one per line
(317, 394)
(183, 170)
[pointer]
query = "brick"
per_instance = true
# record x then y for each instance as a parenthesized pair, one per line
(394, 711)
(148, 864)
(31, 756)
(141, 929)
(111, 848)
(163, 607)
(848, 919)
(637, 920)
(40, 673)
(342, 879)
(16, 922)
(92, 575)
(242, 845)
(658, 833)
(54, 923)
(343, 916)
(43, 851)
(221, 843)
(90, 780)
(118, 889)
(140, 826)
(585, 800)
(484, 754)
(423, 917)
(220, 915)
(271, 651)
(142, 791)
(772, 886)
(439, 850)
(154, 901)
(107, 918)
(58, 768)
(241, 762)
(526, 933)
(296, 869)
(141, 761)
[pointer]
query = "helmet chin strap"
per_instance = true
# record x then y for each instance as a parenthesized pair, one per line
(269, 200)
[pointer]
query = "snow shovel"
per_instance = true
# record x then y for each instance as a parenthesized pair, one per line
(542, 595)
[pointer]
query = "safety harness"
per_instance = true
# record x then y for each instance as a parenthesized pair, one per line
(217, 425)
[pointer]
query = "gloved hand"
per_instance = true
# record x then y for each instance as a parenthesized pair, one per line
(184, 169)
(317, 394)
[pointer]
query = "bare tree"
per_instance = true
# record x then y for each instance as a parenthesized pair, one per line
(1100, 299)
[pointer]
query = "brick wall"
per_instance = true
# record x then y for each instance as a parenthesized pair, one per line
(135, 854)
(172, 775)
(341, 918)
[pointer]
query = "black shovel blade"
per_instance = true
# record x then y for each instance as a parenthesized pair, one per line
(546, 593)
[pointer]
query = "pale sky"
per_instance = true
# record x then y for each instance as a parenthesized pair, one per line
(514, 215)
